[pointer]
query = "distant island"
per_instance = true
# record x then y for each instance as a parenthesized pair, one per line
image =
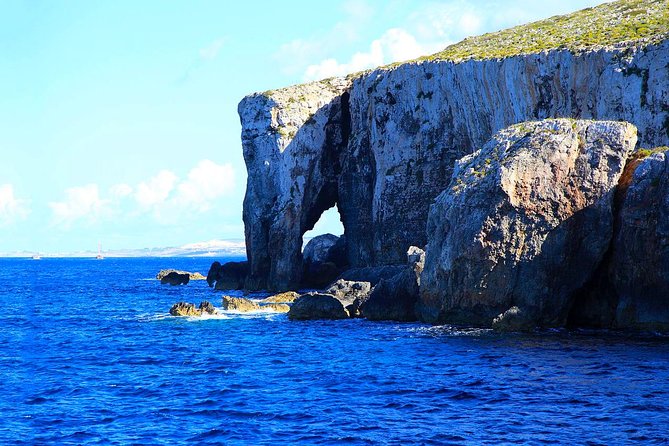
(211, 248)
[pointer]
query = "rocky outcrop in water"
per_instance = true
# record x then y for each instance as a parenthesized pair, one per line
(175, 278)
(239, 304)
(313, 306)
(191, 276)
(524, 222)
(351, 294)
(383, 145)
(394, 298)
(189, 309)
(229, 276)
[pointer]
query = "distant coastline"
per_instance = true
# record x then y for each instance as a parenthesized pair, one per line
(211, 248)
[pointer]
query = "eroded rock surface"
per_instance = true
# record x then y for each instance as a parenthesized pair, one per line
(191, 276)
(190, 310)
(524, 222)
(239, 304)
(175, 278)
(631, 290)
(383, 145)
(312, 306)
(351, 294)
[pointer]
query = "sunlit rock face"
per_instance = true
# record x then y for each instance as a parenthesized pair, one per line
(382, 145)
(524, 222)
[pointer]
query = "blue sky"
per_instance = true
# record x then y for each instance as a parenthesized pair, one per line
(118, 120)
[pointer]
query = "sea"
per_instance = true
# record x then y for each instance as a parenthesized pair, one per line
(90, 355)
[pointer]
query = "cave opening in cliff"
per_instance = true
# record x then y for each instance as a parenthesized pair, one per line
(329, 222)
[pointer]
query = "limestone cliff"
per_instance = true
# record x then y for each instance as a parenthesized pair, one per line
(381, 145)
(524, 222)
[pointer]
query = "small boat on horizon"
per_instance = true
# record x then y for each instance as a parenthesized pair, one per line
(99, 256)
(37, 257)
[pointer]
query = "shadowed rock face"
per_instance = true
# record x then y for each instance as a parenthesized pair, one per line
(631, 290)
(524, 222)
(382, 146)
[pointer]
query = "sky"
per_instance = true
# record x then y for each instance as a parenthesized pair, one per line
(118, 120)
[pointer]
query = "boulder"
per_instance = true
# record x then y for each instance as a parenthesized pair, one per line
(229, 276)
(191, 276)
(282, 298)
(524, 222)
(317, 306)
(239, 304)
(512, 320)
(351, 294)
(174, 278)
(393, 299)
(317, 250)
(324, 257)
(189, 309)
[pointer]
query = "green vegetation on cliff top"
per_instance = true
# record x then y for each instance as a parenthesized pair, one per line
(607, 24)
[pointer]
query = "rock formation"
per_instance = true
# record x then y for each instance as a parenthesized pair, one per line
(175, 278)
(239, 304)
(395, 298)
(229, 276)
(191, 276)
(631, 289)
(381, 145)
(189, 309)
(351, 294)
(524, 222)
(324, 258)
(312, 306)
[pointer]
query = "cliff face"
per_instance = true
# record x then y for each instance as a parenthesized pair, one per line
(383, 146)
(524, 222)
(292, 142)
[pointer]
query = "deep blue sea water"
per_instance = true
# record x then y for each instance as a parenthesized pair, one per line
(89, 355)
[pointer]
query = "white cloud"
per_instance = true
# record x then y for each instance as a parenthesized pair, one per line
(394, 45)
(211, 51)
(156, 190)
(12, 209)
(120, 190)
(426, 28)
(206, 182)
(164, 197)
(81, 203)
(297, 54)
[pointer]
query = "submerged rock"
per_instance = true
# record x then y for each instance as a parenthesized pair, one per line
(525, 222)
(175, 278)
(512, 320)
(312, 306)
